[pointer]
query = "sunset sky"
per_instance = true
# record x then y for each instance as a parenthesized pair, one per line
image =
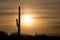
(43, 16)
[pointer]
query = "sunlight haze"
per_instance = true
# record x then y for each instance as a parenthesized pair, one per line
(37, 16)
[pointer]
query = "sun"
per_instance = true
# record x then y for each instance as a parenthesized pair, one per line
(27, 19)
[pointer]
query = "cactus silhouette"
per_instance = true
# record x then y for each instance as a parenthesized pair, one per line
(18, 23)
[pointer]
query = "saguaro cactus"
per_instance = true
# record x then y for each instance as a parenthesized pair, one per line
(18, 22)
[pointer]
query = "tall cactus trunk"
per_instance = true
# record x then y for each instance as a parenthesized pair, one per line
(18, 22)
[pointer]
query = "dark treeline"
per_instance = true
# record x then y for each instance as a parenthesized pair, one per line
(14, 36)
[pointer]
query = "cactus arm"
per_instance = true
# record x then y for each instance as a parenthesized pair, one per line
(17, 23)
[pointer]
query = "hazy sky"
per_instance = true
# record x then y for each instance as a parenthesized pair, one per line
(46, 13)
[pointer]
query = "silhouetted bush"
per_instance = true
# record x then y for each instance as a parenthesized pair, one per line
(14, 36)
(3, 35)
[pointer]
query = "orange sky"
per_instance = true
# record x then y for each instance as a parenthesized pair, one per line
(45, 16)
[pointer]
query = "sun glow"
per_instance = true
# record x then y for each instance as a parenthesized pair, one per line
(27, 19)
